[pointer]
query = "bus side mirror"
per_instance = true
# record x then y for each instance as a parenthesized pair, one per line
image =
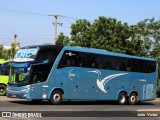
(3, 65)
(34, 63)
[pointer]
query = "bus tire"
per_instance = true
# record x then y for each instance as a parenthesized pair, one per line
(56, 98)
(122, 98)
(132, 99)
(2, 90)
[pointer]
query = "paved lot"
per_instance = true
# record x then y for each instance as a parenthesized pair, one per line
(4, 98)
(73, 107)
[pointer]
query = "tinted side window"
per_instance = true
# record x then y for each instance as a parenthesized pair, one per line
(5, 70)
(85, 59)
(50, 55)
(101, 61)
(123, 64)
(151, 66)
(138, 65)
(98, 61)
(68, 59)
(115, 62)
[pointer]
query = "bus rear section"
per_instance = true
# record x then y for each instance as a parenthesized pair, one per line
(4, 74)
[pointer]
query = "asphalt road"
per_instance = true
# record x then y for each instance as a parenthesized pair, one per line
(90, 109)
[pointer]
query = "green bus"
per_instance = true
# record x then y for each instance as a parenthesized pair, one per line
(4, 72)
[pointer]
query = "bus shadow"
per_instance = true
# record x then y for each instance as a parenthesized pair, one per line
(78, 103)
(100, 103)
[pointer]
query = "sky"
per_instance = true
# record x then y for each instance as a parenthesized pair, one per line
(29, 19)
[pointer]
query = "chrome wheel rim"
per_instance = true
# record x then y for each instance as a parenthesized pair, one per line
(122, 99)
(56, 97)
(132, 99)
(1, 90)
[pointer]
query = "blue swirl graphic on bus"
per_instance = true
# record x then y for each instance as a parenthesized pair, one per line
(102, 82)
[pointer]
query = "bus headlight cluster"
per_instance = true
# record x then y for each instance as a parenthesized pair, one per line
(24, 90)
(24, 95)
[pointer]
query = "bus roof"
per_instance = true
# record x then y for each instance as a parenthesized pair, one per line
(104, 52)
(43, 47)
(85, 49)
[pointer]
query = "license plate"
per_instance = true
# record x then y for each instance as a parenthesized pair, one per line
(13, 96)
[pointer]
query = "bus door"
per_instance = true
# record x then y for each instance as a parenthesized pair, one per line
(142, 87)
(37, 86)
(148, 88)
(148, 91)
(69, 64)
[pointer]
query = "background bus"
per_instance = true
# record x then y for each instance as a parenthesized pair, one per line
(74, 73)
(4, 73)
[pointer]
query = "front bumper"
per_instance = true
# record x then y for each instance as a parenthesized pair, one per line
(18, 92)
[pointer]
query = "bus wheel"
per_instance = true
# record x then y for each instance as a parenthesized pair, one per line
(122, 98)
(56, 98)
(2, 90)
(132, 99)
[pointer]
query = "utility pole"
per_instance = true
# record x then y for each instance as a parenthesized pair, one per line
(15, 40)
(55, 23)
(17, 44)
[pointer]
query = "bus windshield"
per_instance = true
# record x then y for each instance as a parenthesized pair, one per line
(18, 76)
(32, 65)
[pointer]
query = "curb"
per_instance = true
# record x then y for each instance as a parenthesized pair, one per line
(4, 98)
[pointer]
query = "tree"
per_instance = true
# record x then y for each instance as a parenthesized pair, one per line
(5, 56)
(136, 45)
(151, 34)
(62, 40)
(80, 33)
(105, 33)
(1, 51)
(110, 34)
(13, 50)
(8, 54)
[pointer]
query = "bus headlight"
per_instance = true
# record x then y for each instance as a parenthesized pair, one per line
(24, 90)
(24, 95)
